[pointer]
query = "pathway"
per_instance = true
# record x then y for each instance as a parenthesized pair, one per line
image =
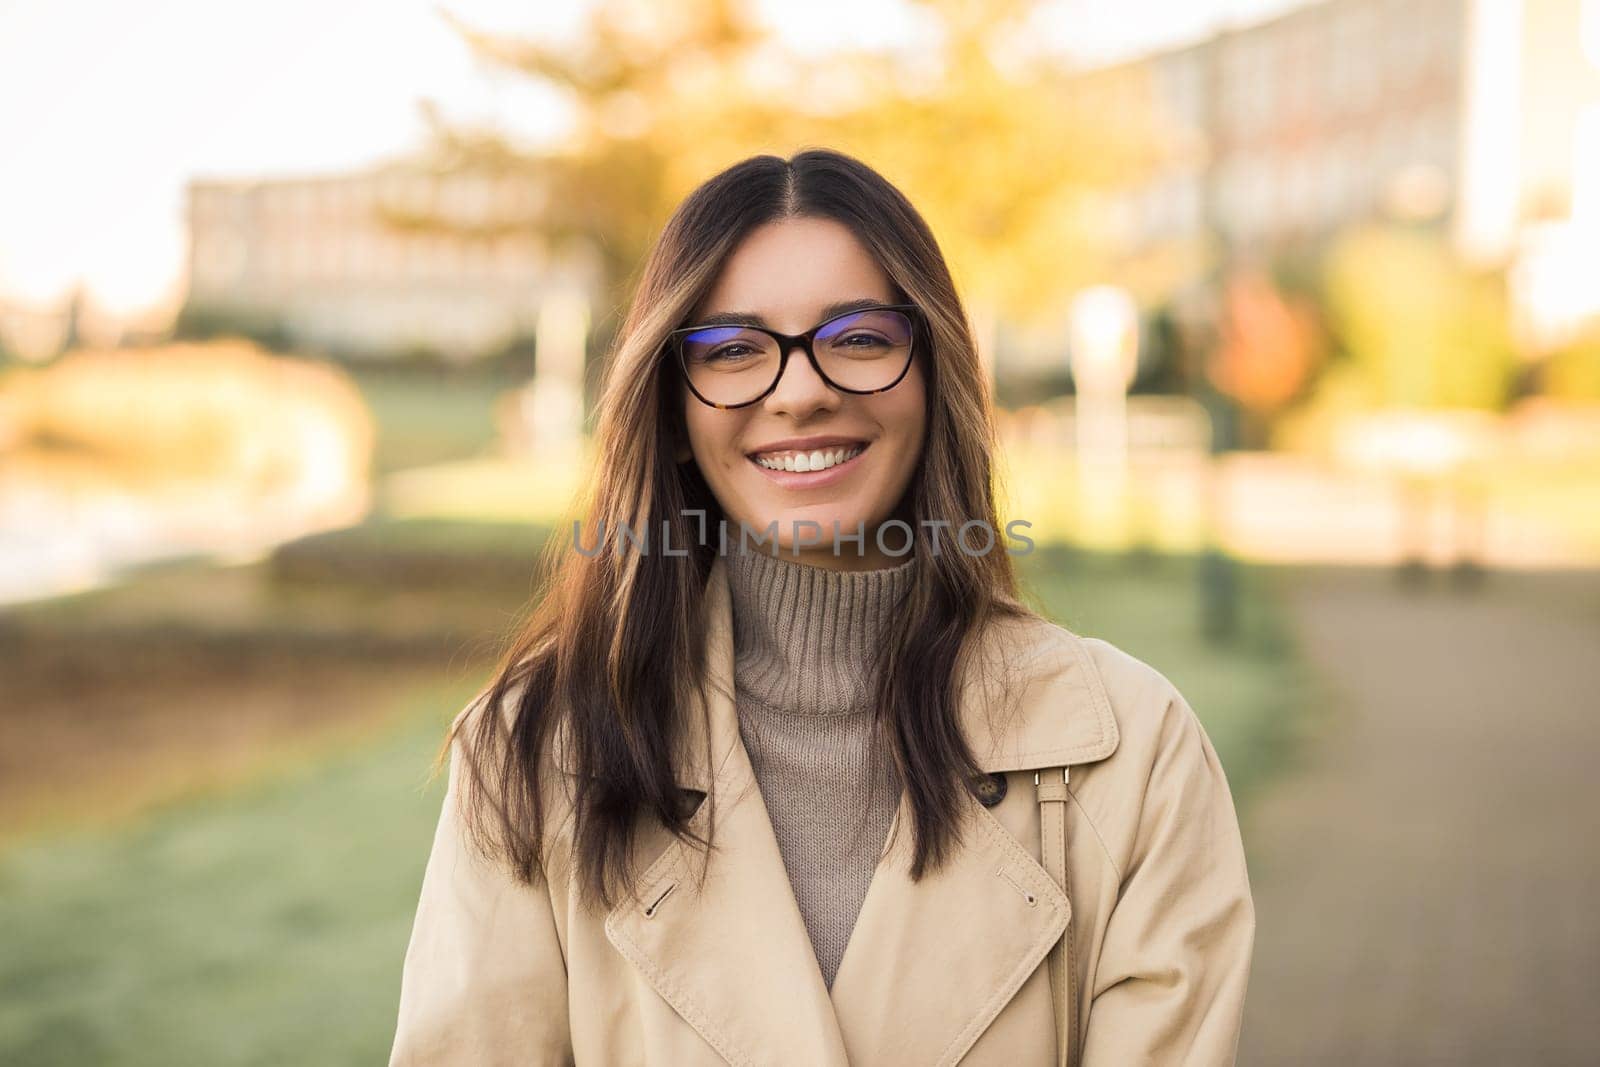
(1428, 884)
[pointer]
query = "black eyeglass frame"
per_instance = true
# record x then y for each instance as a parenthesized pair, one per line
(787, 343)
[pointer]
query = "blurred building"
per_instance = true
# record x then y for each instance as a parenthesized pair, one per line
(1535, 198)
(399, 258)
(1480, 115)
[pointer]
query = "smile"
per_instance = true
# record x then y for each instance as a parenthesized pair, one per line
(813, 468)
(815, 460)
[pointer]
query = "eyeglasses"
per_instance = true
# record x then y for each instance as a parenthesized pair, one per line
(863, 351)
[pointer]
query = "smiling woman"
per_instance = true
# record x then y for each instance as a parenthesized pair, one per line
(803, 805)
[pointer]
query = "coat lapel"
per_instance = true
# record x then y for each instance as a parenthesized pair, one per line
(721, 939)
(1005, 905)
(931, 963)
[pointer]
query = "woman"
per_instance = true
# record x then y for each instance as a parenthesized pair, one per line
(890, 757)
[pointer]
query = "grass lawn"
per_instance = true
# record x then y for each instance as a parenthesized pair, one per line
(263, 926)
(267, 924)
(423, 419)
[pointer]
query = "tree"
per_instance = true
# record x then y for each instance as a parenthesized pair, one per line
(1421, 329)
(997, 145)
(1268, 346)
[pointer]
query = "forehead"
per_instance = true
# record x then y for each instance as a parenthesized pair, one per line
(788, 271)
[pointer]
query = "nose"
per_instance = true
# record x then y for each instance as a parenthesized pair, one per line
(800, 389)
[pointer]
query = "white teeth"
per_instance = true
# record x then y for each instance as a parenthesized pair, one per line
(808, 461)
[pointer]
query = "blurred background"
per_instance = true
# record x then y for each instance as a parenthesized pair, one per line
(1292, 311)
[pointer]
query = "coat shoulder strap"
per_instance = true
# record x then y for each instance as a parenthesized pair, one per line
(1051, 786)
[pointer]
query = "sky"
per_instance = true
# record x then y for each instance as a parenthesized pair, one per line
(107, 108)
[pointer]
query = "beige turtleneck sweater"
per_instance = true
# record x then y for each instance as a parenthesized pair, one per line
(803, 640)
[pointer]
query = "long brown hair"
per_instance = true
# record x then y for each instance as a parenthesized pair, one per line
(613, 649)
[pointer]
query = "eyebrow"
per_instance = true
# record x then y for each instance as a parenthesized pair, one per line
(750, 318)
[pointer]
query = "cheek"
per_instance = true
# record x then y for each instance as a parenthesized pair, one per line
(711, 436)
(906, 412)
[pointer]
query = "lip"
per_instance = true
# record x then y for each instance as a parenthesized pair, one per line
(812, 479)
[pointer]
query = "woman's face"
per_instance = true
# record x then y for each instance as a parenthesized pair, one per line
(784, 275)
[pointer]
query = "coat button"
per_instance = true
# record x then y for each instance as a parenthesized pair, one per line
(990, 789)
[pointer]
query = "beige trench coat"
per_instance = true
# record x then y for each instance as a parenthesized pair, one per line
(948, 970)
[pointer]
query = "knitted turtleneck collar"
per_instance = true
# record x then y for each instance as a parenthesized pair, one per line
(805, 636)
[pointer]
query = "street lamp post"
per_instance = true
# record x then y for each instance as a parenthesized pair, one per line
(1218, 579)
(1104, 354)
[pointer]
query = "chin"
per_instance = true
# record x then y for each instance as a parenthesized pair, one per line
(848, 522)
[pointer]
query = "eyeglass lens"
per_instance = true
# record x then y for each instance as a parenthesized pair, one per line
(862, 350)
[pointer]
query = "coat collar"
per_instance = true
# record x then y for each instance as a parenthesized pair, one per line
(1053, 710)
(721, 939)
